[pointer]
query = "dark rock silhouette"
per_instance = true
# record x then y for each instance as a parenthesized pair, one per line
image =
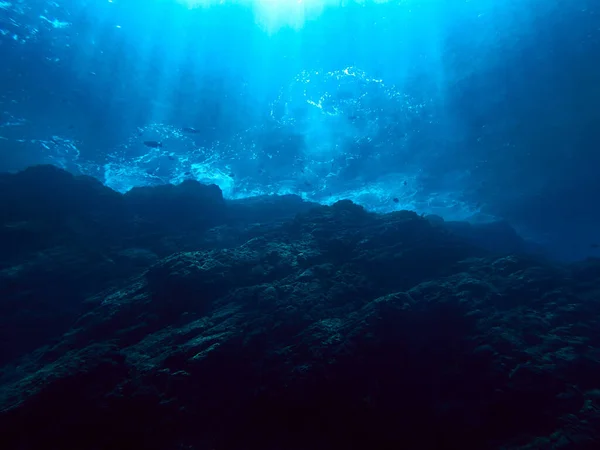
(169, 318)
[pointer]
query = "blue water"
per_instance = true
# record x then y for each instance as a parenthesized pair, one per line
(474, 110)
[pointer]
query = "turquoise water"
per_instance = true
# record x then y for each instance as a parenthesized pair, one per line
(473, 110)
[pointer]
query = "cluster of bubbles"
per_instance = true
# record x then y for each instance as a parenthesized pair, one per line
(161, 154)
(358, 124)
(330, 135)
(325, 132)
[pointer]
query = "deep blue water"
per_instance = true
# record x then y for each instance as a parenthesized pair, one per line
(476, 110)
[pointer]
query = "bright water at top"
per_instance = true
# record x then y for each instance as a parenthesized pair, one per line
(471, 110)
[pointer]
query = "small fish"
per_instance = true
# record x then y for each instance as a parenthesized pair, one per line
(396, 200)
(153, 144)
(595, 245)
(405, 183)
(171, 157)
(190, 130)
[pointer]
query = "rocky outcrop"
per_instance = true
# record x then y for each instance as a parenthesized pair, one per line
(316, 327)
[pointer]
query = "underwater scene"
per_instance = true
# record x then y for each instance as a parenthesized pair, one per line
(300, 224)
(471, 110)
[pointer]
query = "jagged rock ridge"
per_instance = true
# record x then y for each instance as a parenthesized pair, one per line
(169, 318)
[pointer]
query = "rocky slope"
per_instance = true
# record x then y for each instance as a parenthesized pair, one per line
(169, 318)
